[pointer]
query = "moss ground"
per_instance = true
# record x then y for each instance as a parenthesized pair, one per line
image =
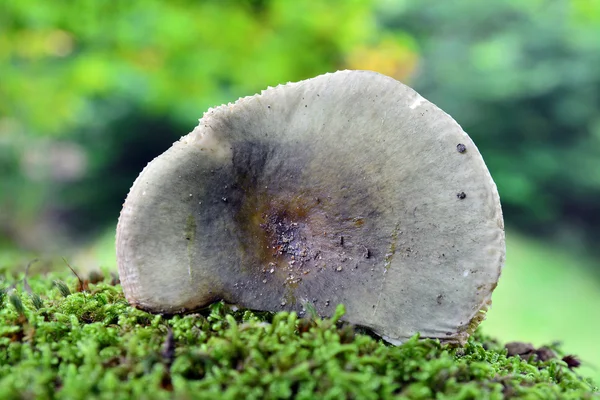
(545, 294)
(58, 342)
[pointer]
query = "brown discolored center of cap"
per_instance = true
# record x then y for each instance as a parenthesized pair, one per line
(291, 237)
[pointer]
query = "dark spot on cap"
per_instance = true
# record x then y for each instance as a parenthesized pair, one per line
(461, 148)
(461, 195)
(366, 253)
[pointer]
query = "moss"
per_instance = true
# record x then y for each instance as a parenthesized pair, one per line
(92, 344)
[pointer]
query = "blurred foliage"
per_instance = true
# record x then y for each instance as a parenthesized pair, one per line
(91, 91)
(523, 78)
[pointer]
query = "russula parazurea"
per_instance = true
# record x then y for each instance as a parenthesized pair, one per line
(346, 188)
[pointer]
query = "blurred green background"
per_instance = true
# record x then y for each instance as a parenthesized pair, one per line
(90, 91)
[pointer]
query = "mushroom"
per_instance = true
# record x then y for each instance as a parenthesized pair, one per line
(345, 188)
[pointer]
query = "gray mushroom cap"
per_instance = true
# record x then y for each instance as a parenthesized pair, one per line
(346, 188)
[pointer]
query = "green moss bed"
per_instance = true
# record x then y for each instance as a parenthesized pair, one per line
(64, 338)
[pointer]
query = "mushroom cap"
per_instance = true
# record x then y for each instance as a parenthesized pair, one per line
(345, 188)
